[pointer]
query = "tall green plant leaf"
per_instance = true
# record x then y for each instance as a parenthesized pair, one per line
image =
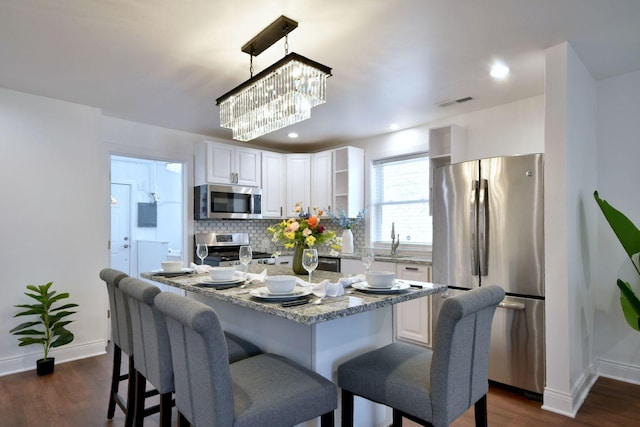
(629, 236)
(627, 233)
(630, 305)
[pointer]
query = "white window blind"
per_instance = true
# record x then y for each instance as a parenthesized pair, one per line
(400, 195)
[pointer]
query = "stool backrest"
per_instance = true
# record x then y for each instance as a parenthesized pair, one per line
(460, 365)
(203, 384)
(150, 337)
(120, 321)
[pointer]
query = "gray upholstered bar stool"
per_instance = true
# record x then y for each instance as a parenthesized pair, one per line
(122, 343)
(264, 390)
(153, 351)
(431, 388)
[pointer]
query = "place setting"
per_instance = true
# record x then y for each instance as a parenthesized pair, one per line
(172, 269)
(381, 282)
(222, 278)
(280, 289)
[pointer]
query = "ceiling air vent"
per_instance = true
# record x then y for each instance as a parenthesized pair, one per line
(455, 101)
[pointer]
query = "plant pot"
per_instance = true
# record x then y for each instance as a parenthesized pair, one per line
(45, 366)
(297, 260)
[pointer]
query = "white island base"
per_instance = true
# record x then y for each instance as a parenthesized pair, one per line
(320, 347)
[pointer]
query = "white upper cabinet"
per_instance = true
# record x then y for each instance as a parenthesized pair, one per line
(348, 180)
(217, 163)
(298, 181)
(273, 185)
(322, 180)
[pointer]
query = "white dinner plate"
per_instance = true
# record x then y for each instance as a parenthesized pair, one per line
(263, 293)
(183, 270)
(212, 282)
(234, 279)
(397, 287)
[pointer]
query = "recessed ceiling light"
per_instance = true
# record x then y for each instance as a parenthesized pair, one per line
(292, 135)
(499, 71)
(394, 126)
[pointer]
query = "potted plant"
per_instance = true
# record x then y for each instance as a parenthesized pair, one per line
(629, 236)
(305, 231)
(48, 329)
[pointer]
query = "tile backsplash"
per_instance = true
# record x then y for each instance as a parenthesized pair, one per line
(261, 240)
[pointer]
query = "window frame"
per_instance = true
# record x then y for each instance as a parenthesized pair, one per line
(375, 220)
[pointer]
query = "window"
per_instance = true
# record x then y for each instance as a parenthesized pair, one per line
(400, 196)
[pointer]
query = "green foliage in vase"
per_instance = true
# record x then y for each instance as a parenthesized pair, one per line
(48, 329)
(629, 236)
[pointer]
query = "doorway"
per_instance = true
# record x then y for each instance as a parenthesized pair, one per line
(146, 213)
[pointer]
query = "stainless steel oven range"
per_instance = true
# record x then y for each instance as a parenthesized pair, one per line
(224, 249)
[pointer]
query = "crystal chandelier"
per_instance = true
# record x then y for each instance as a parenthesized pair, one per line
(279, 96)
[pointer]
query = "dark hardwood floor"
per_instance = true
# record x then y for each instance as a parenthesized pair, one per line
(76, 394)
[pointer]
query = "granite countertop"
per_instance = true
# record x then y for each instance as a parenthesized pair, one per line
(352, 302)
(402, 258)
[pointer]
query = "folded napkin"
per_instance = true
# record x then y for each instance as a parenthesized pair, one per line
(200, 269)
(325, 287)
(348, 281)
(256, 278)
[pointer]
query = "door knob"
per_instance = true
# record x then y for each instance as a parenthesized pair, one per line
(126, 246)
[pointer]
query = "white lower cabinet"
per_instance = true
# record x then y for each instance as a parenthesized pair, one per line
(413, 320)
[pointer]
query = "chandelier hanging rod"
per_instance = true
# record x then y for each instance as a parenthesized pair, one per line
(271, 34)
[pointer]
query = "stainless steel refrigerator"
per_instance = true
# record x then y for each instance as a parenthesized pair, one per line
(488, 230)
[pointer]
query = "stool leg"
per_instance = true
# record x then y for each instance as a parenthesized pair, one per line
(182, 420)
(397, 418)
(347, 408)
(115, 380)
(327, 420)
(131, 394)
(480, 411)
(141, 385)
(165, 409)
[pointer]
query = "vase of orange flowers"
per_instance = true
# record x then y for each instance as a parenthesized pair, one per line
(303, 231)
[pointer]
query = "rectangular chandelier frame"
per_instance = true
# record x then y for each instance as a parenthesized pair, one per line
(279, 96)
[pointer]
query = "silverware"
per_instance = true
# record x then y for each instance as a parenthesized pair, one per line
(295, 303)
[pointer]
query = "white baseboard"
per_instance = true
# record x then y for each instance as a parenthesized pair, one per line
(69, 352)
(619, 371)
(568, 404)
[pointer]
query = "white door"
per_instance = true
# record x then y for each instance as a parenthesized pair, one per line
(120, 242)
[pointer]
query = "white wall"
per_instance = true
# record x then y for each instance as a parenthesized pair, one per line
(616, 344)
(54, 217)
(570, 164)
(510, 129)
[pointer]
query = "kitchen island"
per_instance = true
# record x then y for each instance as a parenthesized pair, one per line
(319, 337)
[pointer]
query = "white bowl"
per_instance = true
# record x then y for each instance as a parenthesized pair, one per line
(280, 284)
(222, 273)
(172, 265)
(380, 279)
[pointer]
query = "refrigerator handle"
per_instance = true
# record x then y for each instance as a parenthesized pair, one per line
(474, 228)
(518, 306)
(483, 227)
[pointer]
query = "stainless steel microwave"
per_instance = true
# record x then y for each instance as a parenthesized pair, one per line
(227, 202)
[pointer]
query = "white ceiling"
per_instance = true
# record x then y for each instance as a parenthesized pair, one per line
(164, 62)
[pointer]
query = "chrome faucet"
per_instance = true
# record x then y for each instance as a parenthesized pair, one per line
(394, 243)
